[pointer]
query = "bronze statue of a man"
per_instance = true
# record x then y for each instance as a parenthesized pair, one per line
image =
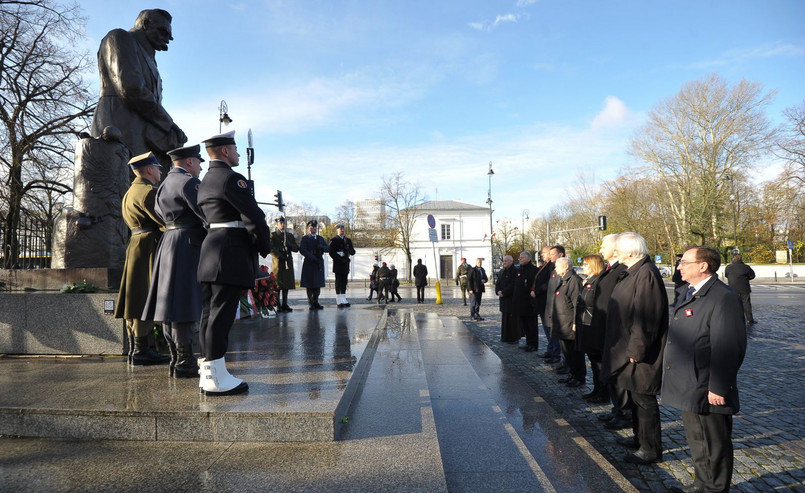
(131, 89)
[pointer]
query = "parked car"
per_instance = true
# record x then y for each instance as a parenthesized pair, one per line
(666, 271)
(580, 271)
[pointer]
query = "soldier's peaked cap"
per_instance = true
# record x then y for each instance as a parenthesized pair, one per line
(147, 159)
(225, 139)
(183, 153)
(279, 219)
(312, 222)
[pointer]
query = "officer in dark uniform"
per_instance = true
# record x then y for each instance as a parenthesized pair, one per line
(340, 251)
(174, 297)
(283, 245)
(145, 226)
(228, 263)
(461, 278)
(312, 247)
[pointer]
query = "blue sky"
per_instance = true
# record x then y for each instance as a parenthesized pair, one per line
(340, 93)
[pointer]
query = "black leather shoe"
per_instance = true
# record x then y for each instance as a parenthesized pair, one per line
(606, 417)
(618, 423)
(562, 370)
(545, 355)
(527, 348)
(691, 488)
(565, 380)
(553, 360)
(598, 399)
(630, 442)
(480, 318)
(642, 458)
(573, 382)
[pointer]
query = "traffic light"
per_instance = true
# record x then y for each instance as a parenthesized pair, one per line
(602, 223)
(280, 204)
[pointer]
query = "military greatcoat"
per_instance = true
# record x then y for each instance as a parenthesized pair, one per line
(283, 245)
(175, 293)
(145, 226)
(312, 248)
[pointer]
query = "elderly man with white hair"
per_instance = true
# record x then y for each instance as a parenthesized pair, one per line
(638, 315)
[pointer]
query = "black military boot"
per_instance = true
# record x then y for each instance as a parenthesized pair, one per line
(130, 359)
(144, 355)
(186, 364)
(174, 356)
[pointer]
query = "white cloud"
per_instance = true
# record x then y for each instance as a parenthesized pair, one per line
(525, 3)
(614, 114)
(499, 20)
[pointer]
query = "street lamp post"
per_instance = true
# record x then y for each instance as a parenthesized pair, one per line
(525, 216)
(223, 117)
(734, 215)
(491, 230)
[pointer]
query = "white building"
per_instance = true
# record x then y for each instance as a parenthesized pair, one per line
(462, 231)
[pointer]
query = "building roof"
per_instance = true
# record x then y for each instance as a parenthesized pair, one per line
(448, 205)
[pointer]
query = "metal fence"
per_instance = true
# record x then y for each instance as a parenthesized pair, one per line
(34, 237)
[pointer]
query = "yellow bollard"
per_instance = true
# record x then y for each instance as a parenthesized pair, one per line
(438, 293)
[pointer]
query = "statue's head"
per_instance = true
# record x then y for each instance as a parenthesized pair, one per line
(156, 25)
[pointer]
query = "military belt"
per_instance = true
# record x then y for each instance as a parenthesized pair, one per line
(169, 226)
(230, 224)
(138, 231)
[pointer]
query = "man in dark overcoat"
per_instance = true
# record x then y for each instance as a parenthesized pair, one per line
(313, 247)
(420, 280)
(476, 279)
(174, 297)
(504, 288)
(341, 250)
(556, 252)
(738, 275)
(544, 274)
(146, 230)
(131, 88)
(621, 414)
(283, 246)
(706, 347)
(524, 302)
(565, 298)
(638, 315)
(228, 263)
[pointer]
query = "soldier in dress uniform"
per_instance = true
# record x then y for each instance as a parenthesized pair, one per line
(174, 297)
(146, 229)
(340, 251)
(461, 278)
(228, 263)
(283, 245)
(313, 247)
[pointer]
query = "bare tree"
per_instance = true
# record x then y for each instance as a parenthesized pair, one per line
(44, 103)
(507, 238)
(402, 199)
(695, 139)
(791, 143)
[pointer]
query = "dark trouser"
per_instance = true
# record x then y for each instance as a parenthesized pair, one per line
(510, 327)
(553, 343)
(573, 359)
(475, 304)
(528, 326)
(710, 440)
(371, 291)
(382, 290)
(178, 332)
(341, 283)
(595, 365)
(646, 421)
(464, 293)
(420, 293)
(746, 301)
(620, 398)
(220, 302)
(313, 296)
(283, 301)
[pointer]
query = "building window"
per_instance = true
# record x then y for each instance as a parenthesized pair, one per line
(446, 232)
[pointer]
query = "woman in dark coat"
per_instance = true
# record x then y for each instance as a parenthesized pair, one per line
(590, 324)
(420, 280)
(563, 321)
(394, 284)
(312, 247)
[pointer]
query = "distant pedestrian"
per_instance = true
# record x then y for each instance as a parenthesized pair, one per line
(706, 347)
(373, 281)
(476, 279)
(383, 283)
(461, 278)
(676, 277)
(420, 280)
(738, 276)
(394, 284)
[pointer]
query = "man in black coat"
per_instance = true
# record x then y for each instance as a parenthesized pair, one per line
(638, 317)
(228, 262)
(504, 288)
(174, 297)
(476, 279)
(312, 247)
(540, 290)
(383, 283)
(563, 322)
(706, 347)
(420, 280)
(556, 252)
(524, 301)
(738, 275)
(340, 251)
